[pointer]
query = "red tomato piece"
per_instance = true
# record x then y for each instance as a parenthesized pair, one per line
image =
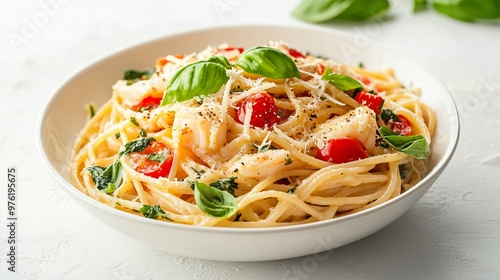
(154, 161)
(265, 113)
(365, 80)
(373, 101)
(295, 53)
(228, 49)
(342, 150)
(403, 126)
(320, 68)
(147, 103)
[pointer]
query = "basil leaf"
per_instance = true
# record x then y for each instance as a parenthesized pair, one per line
(152, 212)
(342, 82)
(468, 10)
(214, 202)
(222, 60)
(225, 184)
(413, 145)
(387, 115)
(268, 62)
(107, 179)
(137, 145)
(320, 11)
(324, 10)
(200, 78)
(419, 5)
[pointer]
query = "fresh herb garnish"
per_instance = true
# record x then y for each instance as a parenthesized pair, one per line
(91, 111)
(132, 76)
(225, 184)
(288, 161)
(157, 157)
(342, 82)
(268, 62)
(143, 133)
(214, 202)
(413, 145)
(117, 135)
(263, 148)
(222, 60)
(153, 212)
(325, 10)
(467, 10)
(293, 189)
(106, 179)
(388, 115)
(134, 121)
(198, 173)
(137, 145)
(197, 79)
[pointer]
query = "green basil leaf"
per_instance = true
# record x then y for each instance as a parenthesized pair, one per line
(362, 9)
(413, 145)
(153, 212)
(268, 62)
(214, 202)
(222, 60)
(320, 10)
(137, 145)
(324, 10)
(468, 10)
(107, 179)
(225, 184)
(342, 82)
(197, 79)
(419, 5)
(387, 115)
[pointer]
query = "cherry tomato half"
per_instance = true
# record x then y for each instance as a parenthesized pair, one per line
(147, 103)
(403, 126)
(295, 53)
(154, 161)
(342, 150)
(320, 68)
(264, 110)
(228, 49)
(373, 101)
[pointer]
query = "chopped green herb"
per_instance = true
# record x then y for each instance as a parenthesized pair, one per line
(132, 76)
(288, 161)
(137, 145)
(157, 157)
(143, 133)
(153, 212)
(263, 148)
(134, 121)
(91, 111)
(237, 218)
(117, 135)
(402, 171)
(361, 65)
(293, 189)
(106, 179)
(225, 184)
(198, 173)
(387, 115)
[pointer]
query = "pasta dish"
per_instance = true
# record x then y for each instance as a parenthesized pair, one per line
(259, 137)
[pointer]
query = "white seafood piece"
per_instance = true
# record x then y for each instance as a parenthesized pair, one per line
(200, 129)
(265, 164)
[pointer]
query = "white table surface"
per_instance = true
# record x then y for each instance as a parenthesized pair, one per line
(452, 233)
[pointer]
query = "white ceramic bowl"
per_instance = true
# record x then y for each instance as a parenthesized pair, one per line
(64, 117)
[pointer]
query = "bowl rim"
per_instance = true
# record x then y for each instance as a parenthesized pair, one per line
(69, 187)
